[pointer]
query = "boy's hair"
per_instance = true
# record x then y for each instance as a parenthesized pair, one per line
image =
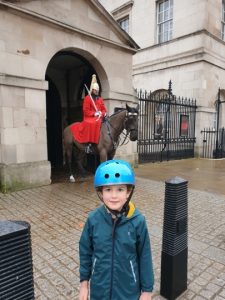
(129, 187)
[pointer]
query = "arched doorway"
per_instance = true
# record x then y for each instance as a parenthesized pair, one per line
(67, 72)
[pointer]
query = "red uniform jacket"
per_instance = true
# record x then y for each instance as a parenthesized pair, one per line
(88, 131)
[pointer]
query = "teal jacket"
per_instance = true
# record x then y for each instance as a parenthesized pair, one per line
(116, 256)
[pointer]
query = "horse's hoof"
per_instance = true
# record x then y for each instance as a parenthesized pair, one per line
(72, 179)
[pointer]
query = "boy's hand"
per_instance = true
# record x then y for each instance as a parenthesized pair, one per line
(146, 296)
(83, 295)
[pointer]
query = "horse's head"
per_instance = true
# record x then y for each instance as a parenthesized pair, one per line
(131, 122)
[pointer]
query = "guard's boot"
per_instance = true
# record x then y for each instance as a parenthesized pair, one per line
(88, 148)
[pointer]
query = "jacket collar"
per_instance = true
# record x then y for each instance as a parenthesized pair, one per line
(132, 212)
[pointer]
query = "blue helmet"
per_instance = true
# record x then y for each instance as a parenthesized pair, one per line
(114, 172)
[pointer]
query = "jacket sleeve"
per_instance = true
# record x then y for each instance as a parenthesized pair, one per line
(85, 252)
(88, 108)
(145, 258)
(102, 107)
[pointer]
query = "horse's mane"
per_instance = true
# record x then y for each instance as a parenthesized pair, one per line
(117, 112)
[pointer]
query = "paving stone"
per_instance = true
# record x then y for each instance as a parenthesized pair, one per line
(208, 294)
(58, 212)
(222, 293)
(218, 298)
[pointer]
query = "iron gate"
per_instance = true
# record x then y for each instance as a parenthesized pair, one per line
(214, 138)
(213, 143)
(166, 126)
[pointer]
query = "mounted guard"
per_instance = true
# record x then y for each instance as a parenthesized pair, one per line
(103, 136)
(88, 131)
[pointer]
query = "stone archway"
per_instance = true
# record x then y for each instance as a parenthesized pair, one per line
(67, 72)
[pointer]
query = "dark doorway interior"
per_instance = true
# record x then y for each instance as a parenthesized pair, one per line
(54, 126)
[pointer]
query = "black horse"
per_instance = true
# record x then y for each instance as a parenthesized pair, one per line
(112, 127)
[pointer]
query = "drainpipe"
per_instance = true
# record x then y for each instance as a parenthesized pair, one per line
(218, 102)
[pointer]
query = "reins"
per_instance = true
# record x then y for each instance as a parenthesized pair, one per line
(109, 133)
(117, 144)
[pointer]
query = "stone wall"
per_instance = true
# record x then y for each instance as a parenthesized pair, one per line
(32, 32)
(193, 59)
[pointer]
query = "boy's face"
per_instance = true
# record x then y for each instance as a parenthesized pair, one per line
(115, 196)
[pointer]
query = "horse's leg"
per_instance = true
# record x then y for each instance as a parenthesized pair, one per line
(103, 155)
(69, 151)
(111, 154)
(68, 148)
(80, 159)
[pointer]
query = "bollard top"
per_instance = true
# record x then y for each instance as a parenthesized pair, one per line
(10, 227)
(176, 180)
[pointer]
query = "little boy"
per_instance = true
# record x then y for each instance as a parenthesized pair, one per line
(115, 252)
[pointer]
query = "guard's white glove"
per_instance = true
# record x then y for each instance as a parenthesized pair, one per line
(98, 114)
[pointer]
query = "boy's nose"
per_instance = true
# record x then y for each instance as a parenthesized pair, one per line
(114, 194)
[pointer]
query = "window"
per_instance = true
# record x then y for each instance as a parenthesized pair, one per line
(122, 15)
(165, 20)
(223, 21)
(124, 24)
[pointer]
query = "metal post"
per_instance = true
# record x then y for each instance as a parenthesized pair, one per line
(168, 119)
(16, 271)
(218, 102)
(174, 245)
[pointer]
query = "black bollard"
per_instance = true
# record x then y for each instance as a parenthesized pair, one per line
(16, 271)
(174, 244)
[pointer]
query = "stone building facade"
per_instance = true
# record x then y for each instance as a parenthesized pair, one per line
(48, 50)
(182, 41)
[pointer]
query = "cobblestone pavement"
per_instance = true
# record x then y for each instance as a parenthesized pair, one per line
(57, 214)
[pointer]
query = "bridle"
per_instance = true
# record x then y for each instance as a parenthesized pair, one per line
(128, 131)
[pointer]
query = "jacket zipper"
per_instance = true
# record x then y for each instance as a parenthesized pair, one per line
(115, 221)
(94, 266)
(132, 269)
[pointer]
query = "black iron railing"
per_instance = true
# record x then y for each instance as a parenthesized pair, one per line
(166, 126)
(213, 143)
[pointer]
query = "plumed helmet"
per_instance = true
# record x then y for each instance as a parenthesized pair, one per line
(114, 172)
(94, 84)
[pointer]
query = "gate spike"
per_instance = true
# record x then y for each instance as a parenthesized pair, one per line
(170, 88)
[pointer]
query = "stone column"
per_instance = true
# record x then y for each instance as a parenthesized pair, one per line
(23, 144)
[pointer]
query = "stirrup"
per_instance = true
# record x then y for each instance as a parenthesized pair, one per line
(88, 148)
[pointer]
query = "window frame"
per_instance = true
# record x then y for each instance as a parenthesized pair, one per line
(166, 22)
(124, 12)
(126, 21)
(223, 21)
